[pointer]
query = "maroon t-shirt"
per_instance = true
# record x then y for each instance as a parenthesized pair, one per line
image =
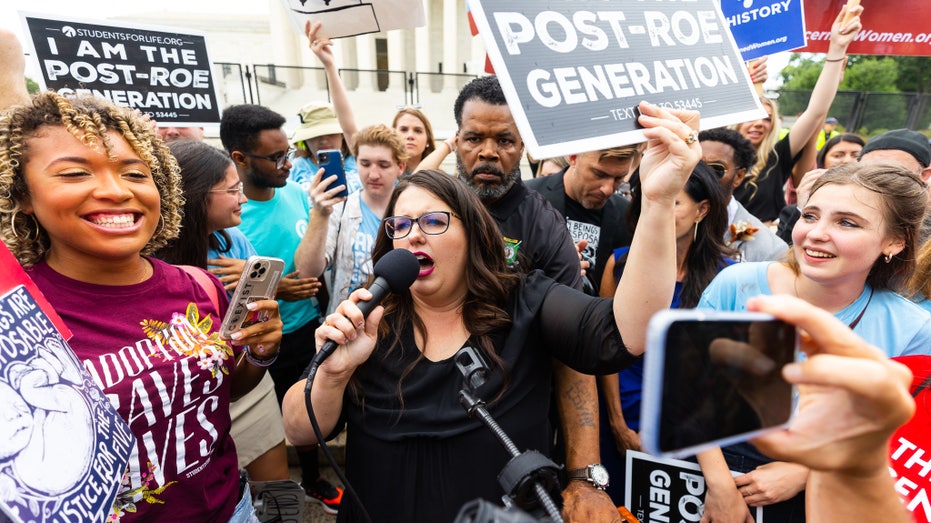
(153, 348)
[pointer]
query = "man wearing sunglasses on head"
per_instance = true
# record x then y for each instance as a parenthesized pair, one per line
(730, 155)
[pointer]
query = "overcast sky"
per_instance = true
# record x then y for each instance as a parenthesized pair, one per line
(101, 9)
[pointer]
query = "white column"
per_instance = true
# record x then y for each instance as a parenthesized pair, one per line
(285, 45)
(365, 51)
(397, 52)
(451, 19)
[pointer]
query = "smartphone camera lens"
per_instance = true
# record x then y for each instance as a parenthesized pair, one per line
(253, 274)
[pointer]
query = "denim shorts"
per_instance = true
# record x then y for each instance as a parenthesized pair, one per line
(244, 513)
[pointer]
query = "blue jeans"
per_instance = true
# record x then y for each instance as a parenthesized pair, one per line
(244, 512)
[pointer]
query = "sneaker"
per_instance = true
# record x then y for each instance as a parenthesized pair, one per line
(326, 494)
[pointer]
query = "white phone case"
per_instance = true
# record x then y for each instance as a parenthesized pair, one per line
(259, 281)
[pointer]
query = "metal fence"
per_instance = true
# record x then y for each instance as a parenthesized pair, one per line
(244, 84)
(867, 113)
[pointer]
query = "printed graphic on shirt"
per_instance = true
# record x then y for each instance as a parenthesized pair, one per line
(165, 386)
(511, 248)
(585, 231)
(362, 247)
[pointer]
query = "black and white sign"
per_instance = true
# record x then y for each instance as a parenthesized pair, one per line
(64, 448)
(163, 73)
(664, 490)
(573, 71)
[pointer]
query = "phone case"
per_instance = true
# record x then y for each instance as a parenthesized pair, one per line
(331, 160)
(654, 371)
(259, 281)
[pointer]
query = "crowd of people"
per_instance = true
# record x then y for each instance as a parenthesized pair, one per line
(138, 233)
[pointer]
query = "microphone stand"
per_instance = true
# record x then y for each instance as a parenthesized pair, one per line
(528, 474)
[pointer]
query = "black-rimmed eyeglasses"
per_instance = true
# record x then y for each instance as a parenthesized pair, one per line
(433, 223)
(280, 159)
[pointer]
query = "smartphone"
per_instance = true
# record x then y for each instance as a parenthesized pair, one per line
(259, 281)
(331, 160)
(714, 379)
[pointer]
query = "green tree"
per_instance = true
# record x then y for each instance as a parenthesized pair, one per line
(882, 78)
(900, 74)
(32, 86)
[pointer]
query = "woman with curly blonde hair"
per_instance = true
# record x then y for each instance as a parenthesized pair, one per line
(87, 190)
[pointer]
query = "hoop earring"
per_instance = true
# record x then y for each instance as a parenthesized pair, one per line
(888, 258)
(13, 226)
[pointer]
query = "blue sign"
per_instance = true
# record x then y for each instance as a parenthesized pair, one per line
(764, 27)
(64, 449)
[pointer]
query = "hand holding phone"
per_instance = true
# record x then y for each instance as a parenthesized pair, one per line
(714, 379)
(259, 281)
(331, 160)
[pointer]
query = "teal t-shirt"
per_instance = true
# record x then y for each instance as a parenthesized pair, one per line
(275, 228)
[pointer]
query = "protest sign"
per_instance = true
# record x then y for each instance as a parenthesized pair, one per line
(910, 446)
(765, 27)
(161, 72)
(663, 490)
(573, 72)
(895, 29)
(65, 448)
(355, 17)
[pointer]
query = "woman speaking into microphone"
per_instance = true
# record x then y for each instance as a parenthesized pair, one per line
(412, 452)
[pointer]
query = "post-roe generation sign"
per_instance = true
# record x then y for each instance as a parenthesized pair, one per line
(163, 73)
(574, 71)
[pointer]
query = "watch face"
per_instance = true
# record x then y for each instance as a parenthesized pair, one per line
(599, 475)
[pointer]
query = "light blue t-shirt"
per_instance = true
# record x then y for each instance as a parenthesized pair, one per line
(275, 228)
(362, 247)
(889, 321)
(303, 171)
(239, 248)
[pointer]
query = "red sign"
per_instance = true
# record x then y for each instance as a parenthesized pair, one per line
(891, 27)
(910, 445)
(12, 275)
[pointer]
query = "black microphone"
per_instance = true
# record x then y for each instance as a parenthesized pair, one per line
(394, 272)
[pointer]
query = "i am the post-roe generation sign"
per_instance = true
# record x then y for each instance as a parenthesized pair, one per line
(574, 71)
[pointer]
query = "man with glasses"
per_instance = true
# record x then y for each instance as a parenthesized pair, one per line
(274, 220)
(584, 192)
(730, 155)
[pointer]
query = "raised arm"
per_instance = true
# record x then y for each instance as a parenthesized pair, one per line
(310, 256)
(822, 96)
(322, 48)
(649, 277)
(852, 398)
(12, 71)
(433, 160)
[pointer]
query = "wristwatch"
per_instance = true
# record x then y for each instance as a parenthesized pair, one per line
(595, 474)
